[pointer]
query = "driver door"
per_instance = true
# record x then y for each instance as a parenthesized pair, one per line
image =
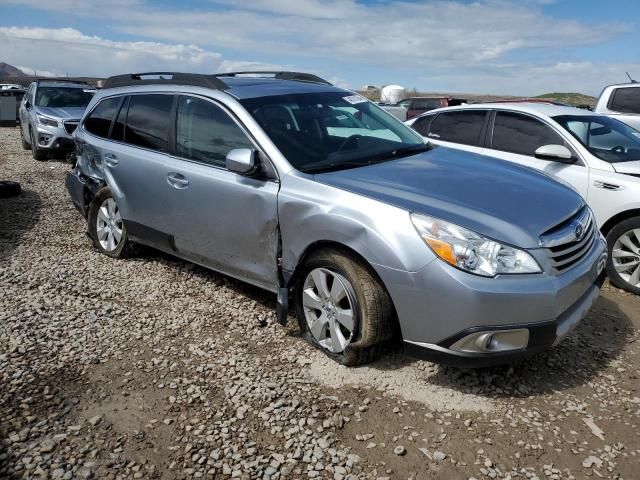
(516, 136)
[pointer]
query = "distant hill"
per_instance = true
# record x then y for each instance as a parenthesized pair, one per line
(570, 98)
(7, 70)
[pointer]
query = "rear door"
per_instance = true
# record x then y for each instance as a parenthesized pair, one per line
(516, 136)
(220, 218)
(135, 163)
(461, 129)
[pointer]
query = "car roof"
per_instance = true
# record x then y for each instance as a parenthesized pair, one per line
(547, 109)
(626, 84)
(253, 87)
(64, 84)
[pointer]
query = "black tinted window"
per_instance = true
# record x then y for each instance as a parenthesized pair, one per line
(521, 134)
(422, 124)
(206, 133)
(458, 127)
(626, 100)
(117, 132)
(99, 121)
(148, 121)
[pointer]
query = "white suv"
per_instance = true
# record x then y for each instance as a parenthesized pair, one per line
(597, 155)
(622, 102)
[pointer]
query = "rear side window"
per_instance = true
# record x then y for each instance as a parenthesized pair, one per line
(206, 133)
(625, 100)
(522, 134)
(422, 124)
(462, 126)
(99, 121)
(149, 121)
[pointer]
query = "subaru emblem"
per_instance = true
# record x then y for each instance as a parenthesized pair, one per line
(579, 231)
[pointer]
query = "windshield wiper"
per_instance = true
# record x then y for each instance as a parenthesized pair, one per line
(335, 166)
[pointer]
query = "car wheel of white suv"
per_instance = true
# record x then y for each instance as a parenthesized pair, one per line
(623, 264)
(342, 308)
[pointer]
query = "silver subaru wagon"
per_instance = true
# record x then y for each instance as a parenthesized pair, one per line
(314, 193)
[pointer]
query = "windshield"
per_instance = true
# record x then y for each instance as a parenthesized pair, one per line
(606, 138)
(63, 97)
(332, 130)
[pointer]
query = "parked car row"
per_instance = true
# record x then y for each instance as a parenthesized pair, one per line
(486, 250)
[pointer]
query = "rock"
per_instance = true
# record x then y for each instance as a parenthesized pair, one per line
(95, 420)
(400, 450)
(439, 456)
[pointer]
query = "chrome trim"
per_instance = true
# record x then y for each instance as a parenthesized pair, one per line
(567, 234)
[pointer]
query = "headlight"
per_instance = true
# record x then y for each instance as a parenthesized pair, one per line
(47, 121)
(470, 251)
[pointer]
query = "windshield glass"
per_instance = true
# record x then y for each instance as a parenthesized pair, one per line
(606, 138)
(62, 97)
(332, 130)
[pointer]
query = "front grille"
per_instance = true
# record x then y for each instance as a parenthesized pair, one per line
(70, 126)
(564, 247)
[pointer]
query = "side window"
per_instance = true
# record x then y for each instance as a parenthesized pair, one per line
(522, 134)
(463, 126)
(99, 120)
(149, 121)
(206, 133)
(422, 124)
(117, 132)
(625, 100)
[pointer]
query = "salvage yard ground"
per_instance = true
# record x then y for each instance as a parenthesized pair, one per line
(154, 368)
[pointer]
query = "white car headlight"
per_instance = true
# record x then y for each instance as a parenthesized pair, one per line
(470, 251)
(47, 121)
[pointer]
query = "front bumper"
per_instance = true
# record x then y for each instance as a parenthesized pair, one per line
(440, 305)
(53, 138)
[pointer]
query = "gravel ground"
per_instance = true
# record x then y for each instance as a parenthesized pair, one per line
(154, 368)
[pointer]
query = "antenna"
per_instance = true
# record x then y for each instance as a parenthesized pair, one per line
(630, 79)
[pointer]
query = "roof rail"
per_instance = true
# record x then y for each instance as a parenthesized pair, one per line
(280, 75)
(174, 78)
(62, 80)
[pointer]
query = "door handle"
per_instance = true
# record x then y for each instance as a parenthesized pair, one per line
(110, 159)
(177, 180)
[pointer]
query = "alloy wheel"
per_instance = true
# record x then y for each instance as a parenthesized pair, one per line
(625, 256)
(109, 225)
(329, 309)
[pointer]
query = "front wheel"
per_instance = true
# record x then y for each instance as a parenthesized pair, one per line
(623, 261)
(106, 227)
(37, 153)
(342, 308)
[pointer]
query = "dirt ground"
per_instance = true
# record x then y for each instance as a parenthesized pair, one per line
(152, 367)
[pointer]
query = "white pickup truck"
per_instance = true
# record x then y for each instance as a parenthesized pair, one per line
(621, 101)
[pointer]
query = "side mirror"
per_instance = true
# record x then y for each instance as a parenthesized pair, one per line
(241, 160)
(27, 105)
(556, 153)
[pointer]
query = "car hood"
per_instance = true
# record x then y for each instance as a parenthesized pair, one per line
(496, 198)
(74, 113)
(629, 168)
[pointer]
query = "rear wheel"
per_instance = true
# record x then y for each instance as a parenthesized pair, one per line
(623, 261)
(37, 153)
(106, 227)
(342, 308)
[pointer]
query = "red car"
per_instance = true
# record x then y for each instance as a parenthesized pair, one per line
(418, 105)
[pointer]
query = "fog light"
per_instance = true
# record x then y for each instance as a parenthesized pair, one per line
(493, 341)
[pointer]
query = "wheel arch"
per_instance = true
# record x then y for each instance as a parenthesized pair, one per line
(617, 218)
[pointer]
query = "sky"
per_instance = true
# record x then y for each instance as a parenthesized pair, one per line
(525, 47)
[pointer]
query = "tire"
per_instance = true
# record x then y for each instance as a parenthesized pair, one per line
(25, 145)
(618, 274)
(372, 312)
(37, 153)
(9, 189)
(105, 224)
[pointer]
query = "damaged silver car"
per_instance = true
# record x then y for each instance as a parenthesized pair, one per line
(316, 194)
